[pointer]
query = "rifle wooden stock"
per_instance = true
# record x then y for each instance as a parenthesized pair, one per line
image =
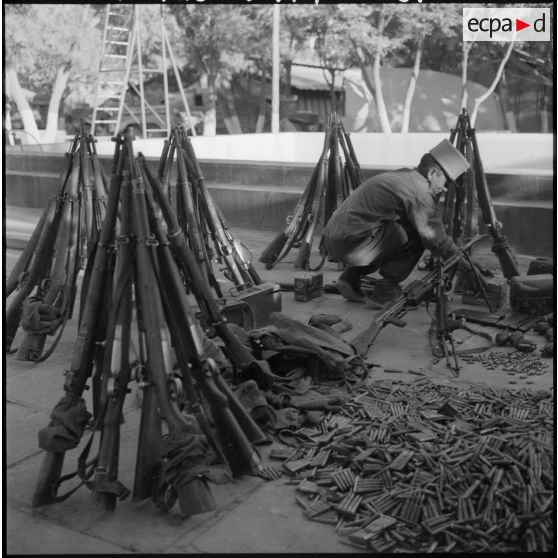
(225, 248)
(150, 431)
(157, 337)
(359, 179)
(245, 266)
(81, 365)
(87, 185)
(22, 264)
(99, 192)
(116, 366)
(272, 251)
(241, 456)
(500, 247)
(163, 159)
(412, 296)
(330, 198)
(303, 258)
(62, 271)
(42, 230)
(41, 261)
(192, 222)
(176, 309)
(238, 353)
(249, 426)
(37, 254)
(192, 359)
(280, 246)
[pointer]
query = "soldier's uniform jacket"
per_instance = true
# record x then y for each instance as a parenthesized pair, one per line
(401, 196)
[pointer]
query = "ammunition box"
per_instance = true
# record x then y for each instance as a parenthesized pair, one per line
(249, 308)
(496, 292)
(308, 286)
(533, 294)
(540, 266)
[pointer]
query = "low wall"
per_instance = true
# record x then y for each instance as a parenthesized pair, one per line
(259, 193)
(501, 151)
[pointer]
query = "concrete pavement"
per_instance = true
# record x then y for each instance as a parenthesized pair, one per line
(253, 515)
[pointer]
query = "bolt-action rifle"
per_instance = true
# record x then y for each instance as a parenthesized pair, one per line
(238, 269)
(172, 283)
(54, 303)
(41, 259)
(184, 448)
(411, 297)
(86, 190)
(281, 245)
(303, 257)
(99, 191)
(237, 352)
(500, 246)
(351, 162)
(187, 341)
(116, 370)
(82, 358)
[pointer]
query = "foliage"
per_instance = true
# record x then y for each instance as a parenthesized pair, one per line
(215, 37)
(42, 38)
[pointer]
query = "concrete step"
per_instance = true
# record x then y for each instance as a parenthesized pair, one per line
(260, 195)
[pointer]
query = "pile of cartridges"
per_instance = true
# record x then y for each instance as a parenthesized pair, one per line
(331, 182)
(44, 277)
(137, 324)
(421, 468)
(200, 218)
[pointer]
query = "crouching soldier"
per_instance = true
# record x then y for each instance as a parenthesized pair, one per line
(389, 220)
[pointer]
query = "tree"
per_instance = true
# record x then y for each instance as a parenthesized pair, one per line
(420, 22)
(47, 48)
(373, 31)
(217, 40)
(331, 44)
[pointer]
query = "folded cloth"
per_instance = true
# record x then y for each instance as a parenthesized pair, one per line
(65, 429)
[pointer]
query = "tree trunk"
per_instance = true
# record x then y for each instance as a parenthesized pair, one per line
(490, 90)
(230, 116)
(332, 91)
(544, 109)
(54, 105)
(411, 88)
(28, 120)
(288, 65)
(506, 106)
(210, 115)
(380, 104)
(260, 123)
(464, 62)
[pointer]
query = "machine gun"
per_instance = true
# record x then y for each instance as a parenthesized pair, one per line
(411, 297)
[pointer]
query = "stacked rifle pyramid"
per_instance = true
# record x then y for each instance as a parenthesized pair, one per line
(210, 238)
(44, 277)
(331, 182)
(137, 323)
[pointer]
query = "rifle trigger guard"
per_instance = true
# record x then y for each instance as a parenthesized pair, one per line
(175, 388)
(112, 385)
(124, 239)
